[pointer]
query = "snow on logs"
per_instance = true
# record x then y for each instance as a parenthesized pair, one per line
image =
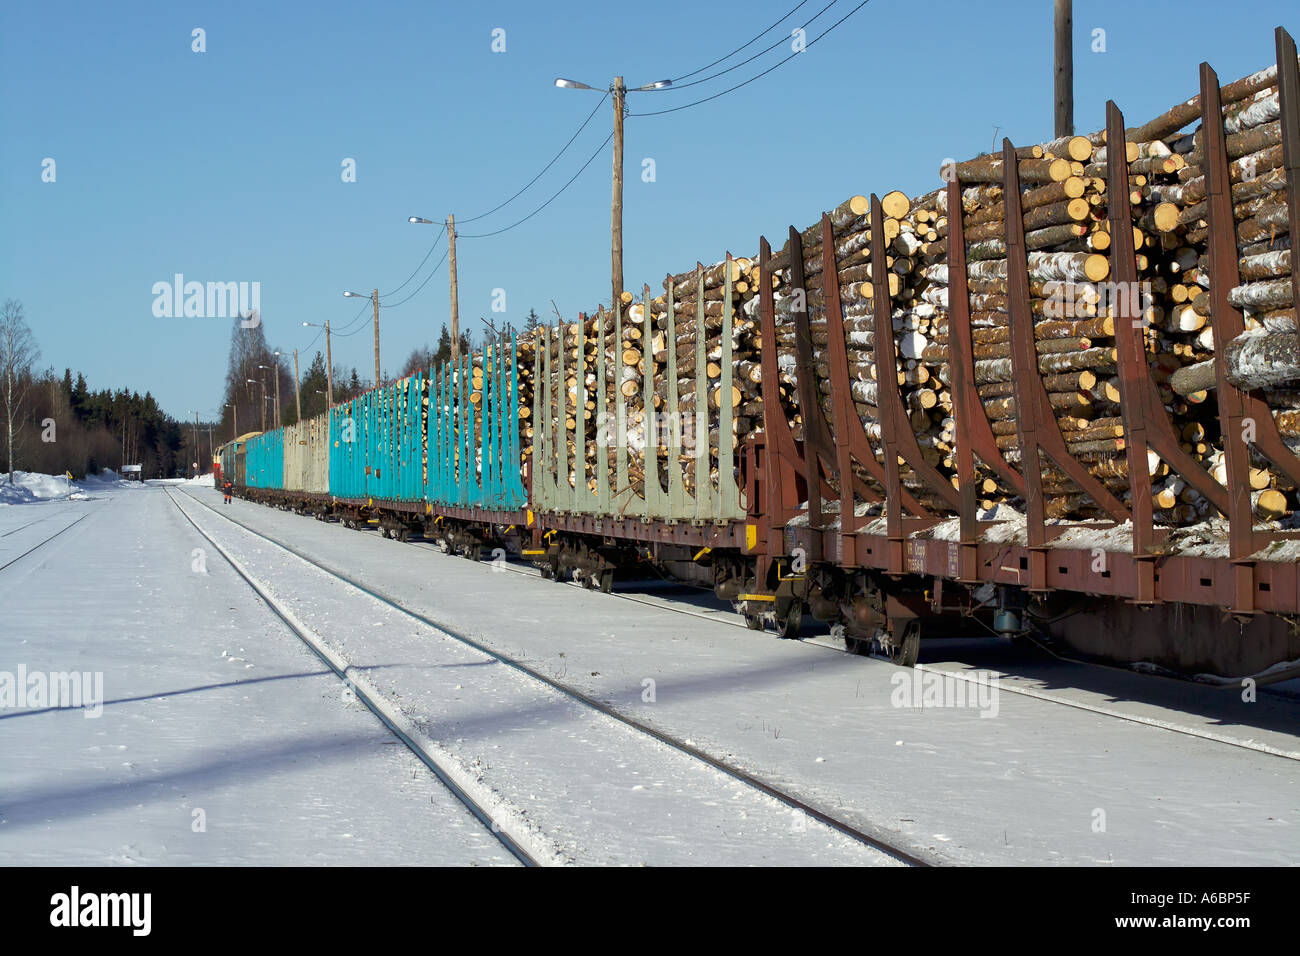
(1064, 208)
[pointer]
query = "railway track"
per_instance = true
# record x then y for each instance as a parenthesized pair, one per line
(1006, 681)
(873, 840)
(27, 525)
(830, 644)
(387, 715)
(43, 543)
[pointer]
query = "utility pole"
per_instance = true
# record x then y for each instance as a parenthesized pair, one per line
(375, 297)
(616, 211)
(1064, 69)
(262, 383)
(329, 369)
(198, 455)
(455, 294)
(297, 400)
(277, 389)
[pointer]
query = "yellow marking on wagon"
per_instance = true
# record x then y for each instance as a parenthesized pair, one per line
(757, 597)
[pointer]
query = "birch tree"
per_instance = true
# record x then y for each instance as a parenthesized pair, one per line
(18, 352)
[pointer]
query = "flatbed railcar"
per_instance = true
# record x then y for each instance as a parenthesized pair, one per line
(779, 535)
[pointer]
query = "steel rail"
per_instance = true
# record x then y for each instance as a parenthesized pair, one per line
(510, 843)
(873, 840)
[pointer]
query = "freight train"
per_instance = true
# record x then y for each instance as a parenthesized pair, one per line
(551, 448)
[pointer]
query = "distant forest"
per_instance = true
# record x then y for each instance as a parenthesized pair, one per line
(54, 423)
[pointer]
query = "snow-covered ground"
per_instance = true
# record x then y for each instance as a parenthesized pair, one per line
(1039, 782)
(220, 738)
(215, 705)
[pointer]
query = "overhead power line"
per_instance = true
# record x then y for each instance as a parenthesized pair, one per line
(785, 16)
(563, 150)
(735, 66)
(436, 239)
(353, 321)
(777, 64)
(431, 274)
(554, 196)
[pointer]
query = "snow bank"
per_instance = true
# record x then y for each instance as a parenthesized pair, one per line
(30, 486)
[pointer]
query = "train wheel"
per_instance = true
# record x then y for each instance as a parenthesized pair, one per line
(789, 626)
(404, 535)
(905, 652)
(752, 621)
(385, 532)
(607, 581)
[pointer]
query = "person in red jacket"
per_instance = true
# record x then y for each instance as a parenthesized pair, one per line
(228, 488)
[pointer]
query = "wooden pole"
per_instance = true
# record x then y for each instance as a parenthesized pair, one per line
(455, 295)
(277, 389)
(616, 212)
(329, 369)
(1064, 69)
(297, 398)
(374, 297)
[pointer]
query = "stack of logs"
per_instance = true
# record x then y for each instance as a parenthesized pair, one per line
(1064, 205)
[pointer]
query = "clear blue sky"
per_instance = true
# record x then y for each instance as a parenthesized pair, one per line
(225, 165)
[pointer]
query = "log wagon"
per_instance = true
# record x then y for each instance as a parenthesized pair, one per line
(1057, 396)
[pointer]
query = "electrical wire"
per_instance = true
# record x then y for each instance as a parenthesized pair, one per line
(736, 66)
(353, 321)
(344, 335)
(418, 288)
(562, 151)
(707, 66)
(686, 106)
(554, 159)
(436, 240)
(554, 196)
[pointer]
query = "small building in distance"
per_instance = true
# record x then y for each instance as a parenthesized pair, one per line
(132, 473)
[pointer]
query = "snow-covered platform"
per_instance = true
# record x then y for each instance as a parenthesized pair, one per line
(1053, 763)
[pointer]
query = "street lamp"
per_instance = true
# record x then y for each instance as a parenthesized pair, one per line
(234, 412)
(373, 297)
(276, 369)
(253, 381)
(619, 91)
(329, 362)
(198, 470)
(453, 282)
